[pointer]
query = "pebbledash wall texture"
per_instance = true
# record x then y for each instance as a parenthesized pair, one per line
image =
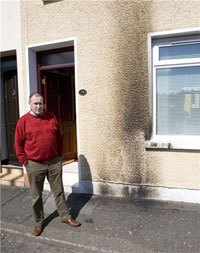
(112, 62)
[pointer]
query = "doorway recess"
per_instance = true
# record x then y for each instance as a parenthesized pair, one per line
(56, 79)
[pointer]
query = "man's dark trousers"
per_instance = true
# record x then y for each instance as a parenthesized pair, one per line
(36, 175)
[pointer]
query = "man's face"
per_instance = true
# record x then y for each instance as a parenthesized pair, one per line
(36, 105)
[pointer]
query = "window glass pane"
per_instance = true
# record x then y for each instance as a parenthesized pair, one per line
(57, 58)
(179, 52)
(8, 64)
(178, 101)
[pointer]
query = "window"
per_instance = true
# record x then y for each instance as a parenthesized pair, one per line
(57, 58)
(176, 92)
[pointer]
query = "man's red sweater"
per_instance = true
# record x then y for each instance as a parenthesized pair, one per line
(38, 138)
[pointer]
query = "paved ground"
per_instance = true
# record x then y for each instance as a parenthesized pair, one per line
(108, 225)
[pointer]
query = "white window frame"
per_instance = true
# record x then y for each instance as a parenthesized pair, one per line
(155, 41)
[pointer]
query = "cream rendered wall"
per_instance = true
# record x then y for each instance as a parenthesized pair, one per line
(112, 65)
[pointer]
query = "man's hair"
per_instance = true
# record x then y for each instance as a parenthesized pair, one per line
(35, 94)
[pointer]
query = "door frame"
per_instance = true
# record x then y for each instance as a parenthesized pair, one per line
(3, 71)
(32, 76)
(42, 87)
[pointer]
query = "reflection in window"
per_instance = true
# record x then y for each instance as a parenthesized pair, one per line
(178, 101)
(57, 58)
(179, 51)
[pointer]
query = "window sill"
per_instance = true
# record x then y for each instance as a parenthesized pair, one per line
(172, 145)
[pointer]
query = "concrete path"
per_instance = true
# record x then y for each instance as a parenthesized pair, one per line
(108, 225)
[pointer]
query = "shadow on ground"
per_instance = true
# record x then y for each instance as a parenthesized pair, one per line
(75, 203)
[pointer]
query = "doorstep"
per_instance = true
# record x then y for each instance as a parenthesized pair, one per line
(70, 178)
(12, 175)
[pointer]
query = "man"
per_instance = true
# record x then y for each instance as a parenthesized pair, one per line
(39, 147)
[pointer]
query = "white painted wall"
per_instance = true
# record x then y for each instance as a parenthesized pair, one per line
(10, 24)
(10, 39)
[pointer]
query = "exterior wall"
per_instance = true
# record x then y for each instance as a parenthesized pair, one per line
(10, 21)
(10, 43)
(112, 65)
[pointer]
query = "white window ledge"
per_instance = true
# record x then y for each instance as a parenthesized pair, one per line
(158, 144)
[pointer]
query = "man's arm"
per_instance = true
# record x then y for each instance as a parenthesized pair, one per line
(19, 143)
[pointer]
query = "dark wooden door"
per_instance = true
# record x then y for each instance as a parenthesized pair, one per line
(60, 99)
(12, 110)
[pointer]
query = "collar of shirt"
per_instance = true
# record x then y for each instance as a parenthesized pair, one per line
(32, 113)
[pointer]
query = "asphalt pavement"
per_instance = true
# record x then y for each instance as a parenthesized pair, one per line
(109, 225)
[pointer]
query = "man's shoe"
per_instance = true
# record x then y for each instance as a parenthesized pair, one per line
(73, 223)
(37, 230)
